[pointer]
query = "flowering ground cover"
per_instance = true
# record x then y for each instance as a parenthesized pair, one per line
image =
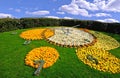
(106, 61)
(70, 64)
(104, 41)
(36, 34)
(48, 54)
(71, 37)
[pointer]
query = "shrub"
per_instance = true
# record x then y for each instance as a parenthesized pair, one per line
(8, 24)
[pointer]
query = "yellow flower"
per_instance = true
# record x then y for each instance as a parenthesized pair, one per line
(106, 61)
(48, 54)
(36, 34)
(48, 33)
(104, 41)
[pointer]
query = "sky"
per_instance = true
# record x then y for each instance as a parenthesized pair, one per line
(99, 10)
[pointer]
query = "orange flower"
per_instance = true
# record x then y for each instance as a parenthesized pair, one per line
(36, 34)
(48, 54)
(48, 33)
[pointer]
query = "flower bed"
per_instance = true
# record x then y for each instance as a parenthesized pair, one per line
(36, 34)
(91, 46)
(104, 41)
(106, 61)
(71, 37)
(48, 54)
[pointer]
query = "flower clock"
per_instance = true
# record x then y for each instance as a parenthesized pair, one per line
(92, 47)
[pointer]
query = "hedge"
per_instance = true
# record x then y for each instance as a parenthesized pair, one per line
(8, 24)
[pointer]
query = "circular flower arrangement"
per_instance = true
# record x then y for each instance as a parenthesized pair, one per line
(104, 41)
(104, 60)
(36, 34)
(71, 37)
(48, 54)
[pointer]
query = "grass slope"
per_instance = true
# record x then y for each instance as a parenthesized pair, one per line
(12, 55)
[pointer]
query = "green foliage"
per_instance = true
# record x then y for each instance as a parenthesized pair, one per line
(48, 22)
(98, 26)
(67, 22)
(38, 22)
(113, 28)
(8, 24)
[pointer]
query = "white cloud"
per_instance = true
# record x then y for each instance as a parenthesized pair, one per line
(58, 17)
(43, 12)
(86, 5)
(60, 12)
(108, 5)
(102, 15)
(82, 7)
(52, 17)
(10, 9)
(113, 5)
(3, 15)
(74, 9)
(17, 10)
(68, 18)
(109, 20)
(101, 4)
(33, 8)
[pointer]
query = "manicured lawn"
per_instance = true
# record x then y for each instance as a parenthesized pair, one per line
(13, 52)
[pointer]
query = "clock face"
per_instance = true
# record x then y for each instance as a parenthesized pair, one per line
(69, 36)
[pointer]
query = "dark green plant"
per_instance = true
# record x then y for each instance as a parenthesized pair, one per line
(91, 58)
(8, 24)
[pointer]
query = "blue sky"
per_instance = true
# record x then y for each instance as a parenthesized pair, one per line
(100, 10)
